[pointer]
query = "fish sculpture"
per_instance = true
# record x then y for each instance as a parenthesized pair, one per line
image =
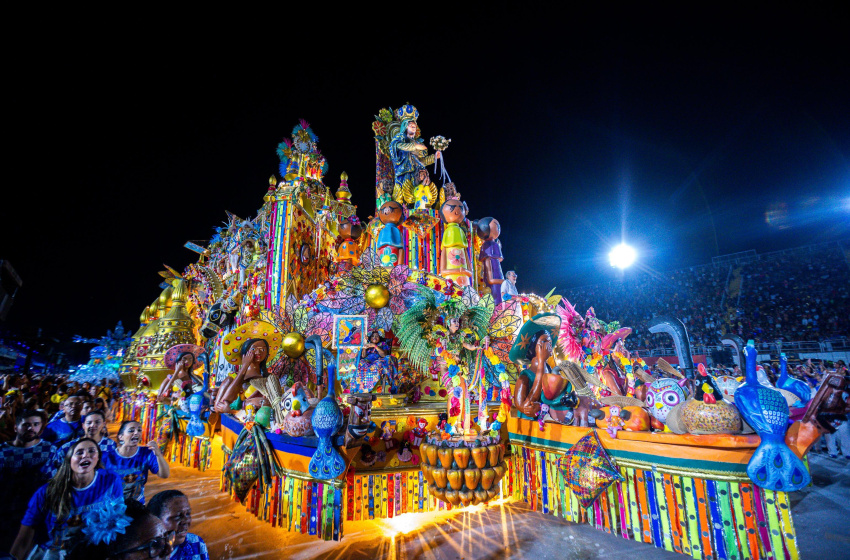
(773, 465)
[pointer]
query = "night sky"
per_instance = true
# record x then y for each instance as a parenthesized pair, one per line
(687, 135)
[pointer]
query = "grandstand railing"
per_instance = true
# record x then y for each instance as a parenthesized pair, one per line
(807, 346)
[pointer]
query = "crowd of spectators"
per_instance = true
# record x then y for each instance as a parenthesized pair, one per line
(795, 296)
(60, 472)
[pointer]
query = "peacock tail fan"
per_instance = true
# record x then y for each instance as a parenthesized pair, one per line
(775, 467)
(326, 462)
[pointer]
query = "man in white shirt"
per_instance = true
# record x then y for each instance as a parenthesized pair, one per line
(509, 285)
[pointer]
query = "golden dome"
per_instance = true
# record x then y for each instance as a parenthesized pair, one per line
(144, 320)
(165, 301)
(177, 318)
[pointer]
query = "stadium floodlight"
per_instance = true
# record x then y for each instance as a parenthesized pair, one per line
(622, 256)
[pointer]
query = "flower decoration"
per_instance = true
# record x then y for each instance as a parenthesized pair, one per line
(300, 318)
(379, 128)
(440, 143)
(104, 521)
(348, 295)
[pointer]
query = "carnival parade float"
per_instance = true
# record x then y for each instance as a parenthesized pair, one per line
(361, 370)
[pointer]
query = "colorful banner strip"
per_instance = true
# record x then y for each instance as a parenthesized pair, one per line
(696, 516)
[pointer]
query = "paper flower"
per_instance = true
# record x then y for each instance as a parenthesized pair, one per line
(104, 521)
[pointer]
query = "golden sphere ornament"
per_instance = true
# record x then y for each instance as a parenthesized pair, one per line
(293, 345)
(377, 296)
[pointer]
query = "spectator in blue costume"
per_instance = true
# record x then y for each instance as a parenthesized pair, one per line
(24, 466)
(67, 427)
(173, 509)
(54, 516)
(133, 463)
(93, 429)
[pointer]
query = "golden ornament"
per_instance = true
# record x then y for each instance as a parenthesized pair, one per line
(377, 296)
(293, 345)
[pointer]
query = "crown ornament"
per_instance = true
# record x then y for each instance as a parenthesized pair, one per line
(407, 112)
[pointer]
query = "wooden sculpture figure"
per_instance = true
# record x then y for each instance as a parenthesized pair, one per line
(454, 263)
(390, 245)
(489, 229)
(540, 390)
(348, 250)
(254, 353)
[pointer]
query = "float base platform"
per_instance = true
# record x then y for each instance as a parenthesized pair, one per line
(687, 494)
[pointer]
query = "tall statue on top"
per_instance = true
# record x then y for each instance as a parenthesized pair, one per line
(407, 152)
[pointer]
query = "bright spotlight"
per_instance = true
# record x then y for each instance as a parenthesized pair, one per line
(622, 256)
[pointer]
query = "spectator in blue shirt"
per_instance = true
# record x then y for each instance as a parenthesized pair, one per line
(92, 429)
(133, 463)
(64, 429)
(173, 509)
(57, 508)
(24, 466)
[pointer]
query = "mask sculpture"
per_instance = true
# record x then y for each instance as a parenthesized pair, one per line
(662, 396)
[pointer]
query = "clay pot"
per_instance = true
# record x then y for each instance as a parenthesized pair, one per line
(492, 493)
(446, 457)
(431, 453)
(423, 453)
(466, 497)
(462, 455)
(704, 418)
(440, 477)
(801, 436)
(493, 454)
(481, 496)
(455, 478)
(426, 473)
(298, 426)
(439, 493)
(480, 455)
(472, 477)
(452, 497)
(488, 476)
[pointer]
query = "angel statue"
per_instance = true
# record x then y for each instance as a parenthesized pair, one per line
(423, 195)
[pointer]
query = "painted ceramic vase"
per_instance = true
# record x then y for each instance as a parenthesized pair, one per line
(715, 418)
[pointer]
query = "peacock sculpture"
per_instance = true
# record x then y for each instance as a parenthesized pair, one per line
(800, 389)
(773, 465)
(327, 420)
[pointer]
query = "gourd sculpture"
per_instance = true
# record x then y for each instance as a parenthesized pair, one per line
(327, 420)
(773, 465)
(707, 412)
(800, 389)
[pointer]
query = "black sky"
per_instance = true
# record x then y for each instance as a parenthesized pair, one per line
(678, 130)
